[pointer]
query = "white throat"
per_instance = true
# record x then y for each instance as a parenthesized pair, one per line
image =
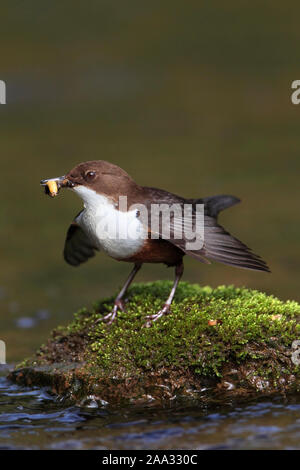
(119, 234)
(90, 197)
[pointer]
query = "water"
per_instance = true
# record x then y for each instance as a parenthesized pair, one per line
(33, 419)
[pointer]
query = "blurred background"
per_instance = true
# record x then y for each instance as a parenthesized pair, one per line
(192, 97)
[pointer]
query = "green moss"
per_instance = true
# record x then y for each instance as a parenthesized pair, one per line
(248, 324)
(232, 343)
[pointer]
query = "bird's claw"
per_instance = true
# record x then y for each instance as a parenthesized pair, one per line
(111, 316)
(152, 318)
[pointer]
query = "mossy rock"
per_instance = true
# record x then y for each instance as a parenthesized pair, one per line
(217, 345)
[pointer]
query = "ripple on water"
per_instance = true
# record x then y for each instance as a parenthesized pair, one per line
(33, 419)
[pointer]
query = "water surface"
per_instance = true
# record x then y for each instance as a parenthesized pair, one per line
(33, 419)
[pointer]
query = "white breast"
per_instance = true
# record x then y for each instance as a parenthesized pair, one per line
(119, 234)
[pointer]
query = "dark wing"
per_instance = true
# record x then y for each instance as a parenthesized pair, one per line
(78, 247)
(218, 244)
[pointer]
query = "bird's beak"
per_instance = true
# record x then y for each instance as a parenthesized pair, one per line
(53, 185)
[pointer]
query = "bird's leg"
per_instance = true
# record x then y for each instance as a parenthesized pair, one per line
(166, 308)
(119, 304)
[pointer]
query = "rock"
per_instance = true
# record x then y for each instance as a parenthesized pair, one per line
(217, 345)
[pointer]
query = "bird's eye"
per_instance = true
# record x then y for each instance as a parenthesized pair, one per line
(90, 175)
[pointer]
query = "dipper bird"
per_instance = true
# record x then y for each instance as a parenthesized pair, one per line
(103, 186)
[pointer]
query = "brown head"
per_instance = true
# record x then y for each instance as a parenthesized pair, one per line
(100, 176)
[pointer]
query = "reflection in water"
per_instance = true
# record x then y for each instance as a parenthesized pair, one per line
(32, 419)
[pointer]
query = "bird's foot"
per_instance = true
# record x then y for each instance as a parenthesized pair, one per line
(152, 318)
(111, 316)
